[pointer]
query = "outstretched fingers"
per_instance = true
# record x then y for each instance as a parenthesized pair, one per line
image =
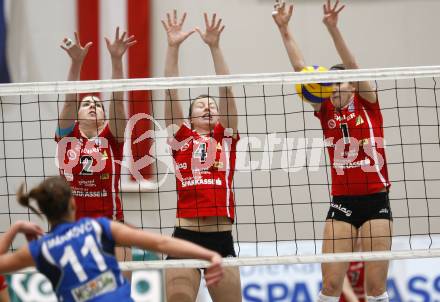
(217, 26)
(87, 46)
(117, 33)
(170, 24)
(165, 26)
(174, 16)
(77, 40)
(182, 20)
(205, 15)
(214, 17)
(340, 9)
(336, 5)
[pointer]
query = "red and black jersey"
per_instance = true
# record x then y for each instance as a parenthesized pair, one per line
(3, 283)
(92, 168)
(355, 144)
(356, 277)
(205, 167)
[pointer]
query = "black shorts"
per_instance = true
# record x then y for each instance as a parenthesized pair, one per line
(356, 210)
(221, 242)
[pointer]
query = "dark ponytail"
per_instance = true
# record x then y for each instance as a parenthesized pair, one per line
(24, 199)
(52, 196)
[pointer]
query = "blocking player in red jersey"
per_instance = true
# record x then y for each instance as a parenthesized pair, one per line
(353, 289)
(352, 124)
(4, 294)
(89, 145)
(204, 153)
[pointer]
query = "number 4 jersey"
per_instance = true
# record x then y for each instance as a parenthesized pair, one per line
(205, 167)
(90, 166)
(78, 259)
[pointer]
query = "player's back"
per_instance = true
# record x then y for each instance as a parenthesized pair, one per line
(78, 259)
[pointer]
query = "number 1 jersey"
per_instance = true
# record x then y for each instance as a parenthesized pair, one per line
(355, 144)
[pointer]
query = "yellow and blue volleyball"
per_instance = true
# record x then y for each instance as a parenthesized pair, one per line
(314, 92)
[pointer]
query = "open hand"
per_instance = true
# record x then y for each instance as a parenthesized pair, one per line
(75, 50)
(214, 273)
(29, 229)
(282, 14)
(331, 13)
(173, 27)
(213, 30)
(119, 46)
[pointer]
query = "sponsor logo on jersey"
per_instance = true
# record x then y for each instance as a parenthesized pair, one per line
(87, 183)
(218, 165)
(91, 150)
(71, 154)
(331, 123)
(68, 176)
(105, 176)
(355, 164)
(184, 147)
(79, 193)
(202, 181)
(364, 141)
(181, 166)
(104, 155)
(384, 211)
(339, 207)
(359, 120)
(102, 284)
(344, 117)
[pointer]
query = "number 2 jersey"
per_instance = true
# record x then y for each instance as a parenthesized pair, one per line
(90, 166)
(356, 277)
(354, 140)
(205, 167)
(78, 259)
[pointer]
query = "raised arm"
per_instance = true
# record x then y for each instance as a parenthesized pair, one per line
(22, 258)
(77, 54)
(281, 15)
(117, 115)
(175, 35)
(331, 14)
(227, 106)
(127, 236)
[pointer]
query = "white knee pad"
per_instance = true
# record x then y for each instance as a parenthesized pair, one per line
(381, 298)
(324, 298)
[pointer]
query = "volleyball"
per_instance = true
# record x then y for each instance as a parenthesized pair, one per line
(314, 92)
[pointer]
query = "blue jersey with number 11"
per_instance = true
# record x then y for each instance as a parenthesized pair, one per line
(79, 260)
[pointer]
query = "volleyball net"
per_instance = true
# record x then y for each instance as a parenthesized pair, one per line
(282, 182)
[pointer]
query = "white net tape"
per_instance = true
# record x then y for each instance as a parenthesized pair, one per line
(215, 81)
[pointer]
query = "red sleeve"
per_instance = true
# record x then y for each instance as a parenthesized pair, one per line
(183, 133)
(107, 133)
(3, 283)
(323, 110)
(367, 104)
